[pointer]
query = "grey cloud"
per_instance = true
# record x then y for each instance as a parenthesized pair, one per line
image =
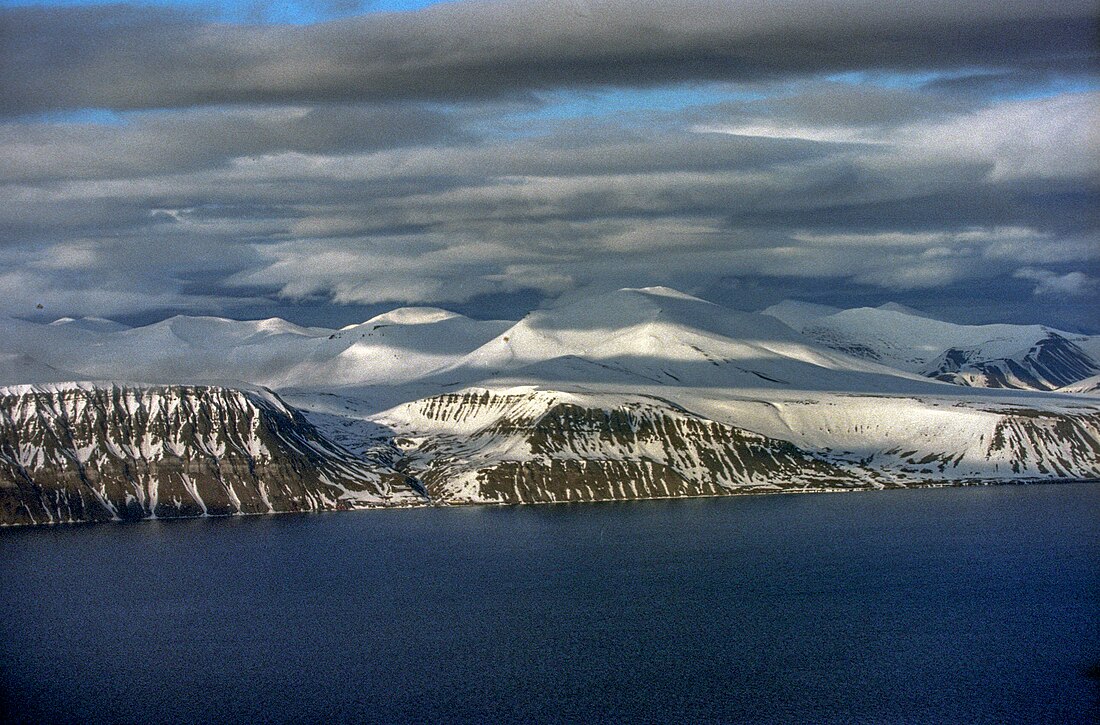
(163, 143)
(574, 204)
(124, 57)
(115, 278)
(364, 272)
(338, 193)
(192, 141)
(839, 104)
(1037, 77)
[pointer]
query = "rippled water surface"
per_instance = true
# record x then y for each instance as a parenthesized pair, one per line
(953, 605)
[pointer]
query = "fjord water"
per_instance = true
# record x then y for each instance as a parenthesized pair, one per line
(950, 605)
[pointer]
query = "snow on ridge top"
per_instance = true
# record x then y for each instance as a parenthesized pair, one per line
(87, 318)
(94, 385)
(268, 324)
(196, 318)
(278, 324)
(92, 324)
(901, 323)
(905, 310)
(1088, 385)
(62, 387)
(472, 409)
(662, 291)
(798, 314)
(412, 316)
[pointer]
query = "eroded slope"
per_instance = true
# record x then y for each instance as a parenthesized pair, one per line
(81, 452)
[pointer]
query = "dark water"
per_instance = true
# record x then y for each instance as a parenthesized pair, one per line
(953, 605)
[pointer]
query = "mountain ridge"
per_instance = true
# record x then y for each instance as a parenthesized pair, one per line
(1034, 357)
(636, 393)
(116, 451)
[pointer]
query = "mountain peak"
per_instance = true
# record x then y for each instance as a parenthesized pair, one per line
(798, 314)
(412, 316)
(94, 324)
(662, 291)
(903, 309)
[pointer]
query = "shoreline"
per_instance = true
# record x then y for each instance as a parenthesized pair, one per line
(965, 483)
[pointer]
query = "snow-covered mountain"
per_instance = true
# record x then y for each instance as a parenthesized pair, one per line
(638, 393)
(1090, 385)
(525, 445)
(1029, 357)
(396, 346)
(19, 366)
(530, 446)
(83, 452)
(662, 336)
(92, 324)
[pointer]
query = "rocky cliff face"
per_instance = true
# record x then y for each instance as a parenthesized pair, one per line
(77, 452)
(546, 446)
(1051, 363)
(82, 452)
(549, 447)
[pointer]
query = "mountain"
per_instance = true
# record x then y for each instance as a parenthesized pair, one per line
(536, 446)
(1027, 357)
(524, 445)
(81, 452)
(1051, 362)
(798, 314)
(637, 393)
(397, 346)
(1088, 385)
(24, 368)
(652, 393)
(403, 344)
(660, 336)
(92, 324)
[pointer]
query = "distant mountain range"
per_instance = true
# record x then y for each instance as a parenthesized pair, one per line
(640, 393)
(1024, 357)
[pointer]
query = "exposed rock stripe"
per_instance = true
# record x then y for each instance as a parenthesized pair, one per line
(72, 453)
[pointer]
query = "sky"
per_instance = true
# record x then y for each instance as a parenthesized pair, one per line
(324, 160)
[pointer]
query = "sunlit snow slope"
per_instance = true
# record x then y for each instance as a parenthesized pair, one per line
(400, 345)
(1031, 357)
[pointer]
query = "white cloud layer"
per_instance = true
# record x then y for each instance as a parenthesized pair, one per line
(1048, 283)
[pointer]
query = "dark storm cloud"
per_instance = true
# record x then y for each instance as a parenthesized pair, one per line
(125, 57)
(356, 169)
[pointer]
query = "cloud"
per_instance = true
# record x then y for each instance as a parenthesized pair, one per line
(1046, 138)
(162, 143)
(22, 290)
(575, 203)
(126, 57)
(1051, 284)
(472, 150)
(396, 269)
